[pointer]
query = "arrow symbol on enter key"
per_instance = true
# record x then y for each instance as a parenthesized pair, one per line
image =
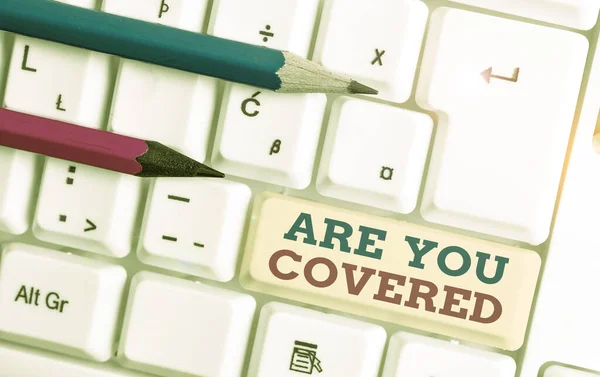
(488, 75)
(91, 227)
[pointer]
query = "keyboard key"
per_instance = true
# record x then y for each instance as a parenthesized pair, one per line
(21, 362)
(270, 137)
(390, 270)
(560, 371)
(58, 81)
(58, 301)
(377, 44)
(17, 177)
(283, 25)
(411, 355)
(579, 14)
(291, 341)
(87, 208)
(4, 56)
(91, 4)
(151, 102)
(566, 330)
(507, 109)
(198, 331)
(183, 14)
(195, 226)
(374, 154)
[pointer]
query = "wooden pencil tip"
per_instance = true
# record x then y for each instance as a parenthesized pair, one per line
(209, 172)
(357, 88)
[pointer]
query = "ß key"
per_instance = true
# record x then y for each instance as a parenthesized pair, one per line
(252, 143)
(411, 355)
(294, 340)
(198, 331)
(389, 270)
(58, 301)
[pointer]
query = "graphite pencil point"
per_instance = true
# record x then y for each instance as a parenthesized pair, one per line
(357, 88)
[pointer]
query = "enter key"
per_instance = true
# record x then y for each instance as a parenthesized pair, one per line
(384, 269)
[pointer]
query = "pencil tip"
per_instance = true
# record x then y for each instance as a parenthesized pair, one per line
(357, 88)
(209, 172)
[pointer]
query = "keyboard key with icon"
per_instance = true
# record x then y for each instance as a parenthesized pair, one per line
(506, 111)
(292, 341)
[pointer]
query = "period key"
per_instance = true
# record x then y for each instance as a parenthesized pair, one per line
(58, 301)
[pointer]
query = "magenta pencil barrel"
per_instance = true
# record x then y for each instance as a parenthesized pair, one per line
(70, 142)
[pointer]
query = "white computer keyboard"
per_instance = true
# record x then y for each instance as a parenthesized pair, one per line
(446, 228)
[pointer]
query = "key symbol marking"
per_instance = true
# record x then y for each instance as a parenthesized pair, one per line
(266, 33)
(488, 76)
(24, 66)
(386, 173)
(247, 101)
(275, 147)
(59, 102)
(378, 56)
(164, 8)
(91, 226)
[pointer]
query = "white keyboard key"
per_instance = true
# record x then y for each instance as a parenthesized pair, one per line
(62, 302)
(506, 109)
(4, 59)
(579, 14)
(411, 355)
(560, 371)
(374, 154)
(567, 331)
(91, 4)
(198, 331)
(57, 81)
(270, 137)
(292, 341)
(194, 226)
(377, 43)
(167, 105)
(19, 361)
(183, 14)
(17, 177)
(283, 25)
(87, 208)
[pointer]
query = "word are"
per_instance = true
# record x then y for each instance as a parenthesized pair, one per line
(31, 296)
(341, 232)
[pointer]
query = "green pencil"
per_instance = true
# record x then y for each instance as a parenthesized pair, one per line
(262, 67)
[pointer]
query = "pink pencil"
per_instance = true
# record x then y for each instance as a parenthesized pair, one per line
(102, 149)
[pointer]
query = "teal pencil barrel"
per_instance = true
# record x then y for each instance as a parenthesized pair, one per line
(143, 41)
